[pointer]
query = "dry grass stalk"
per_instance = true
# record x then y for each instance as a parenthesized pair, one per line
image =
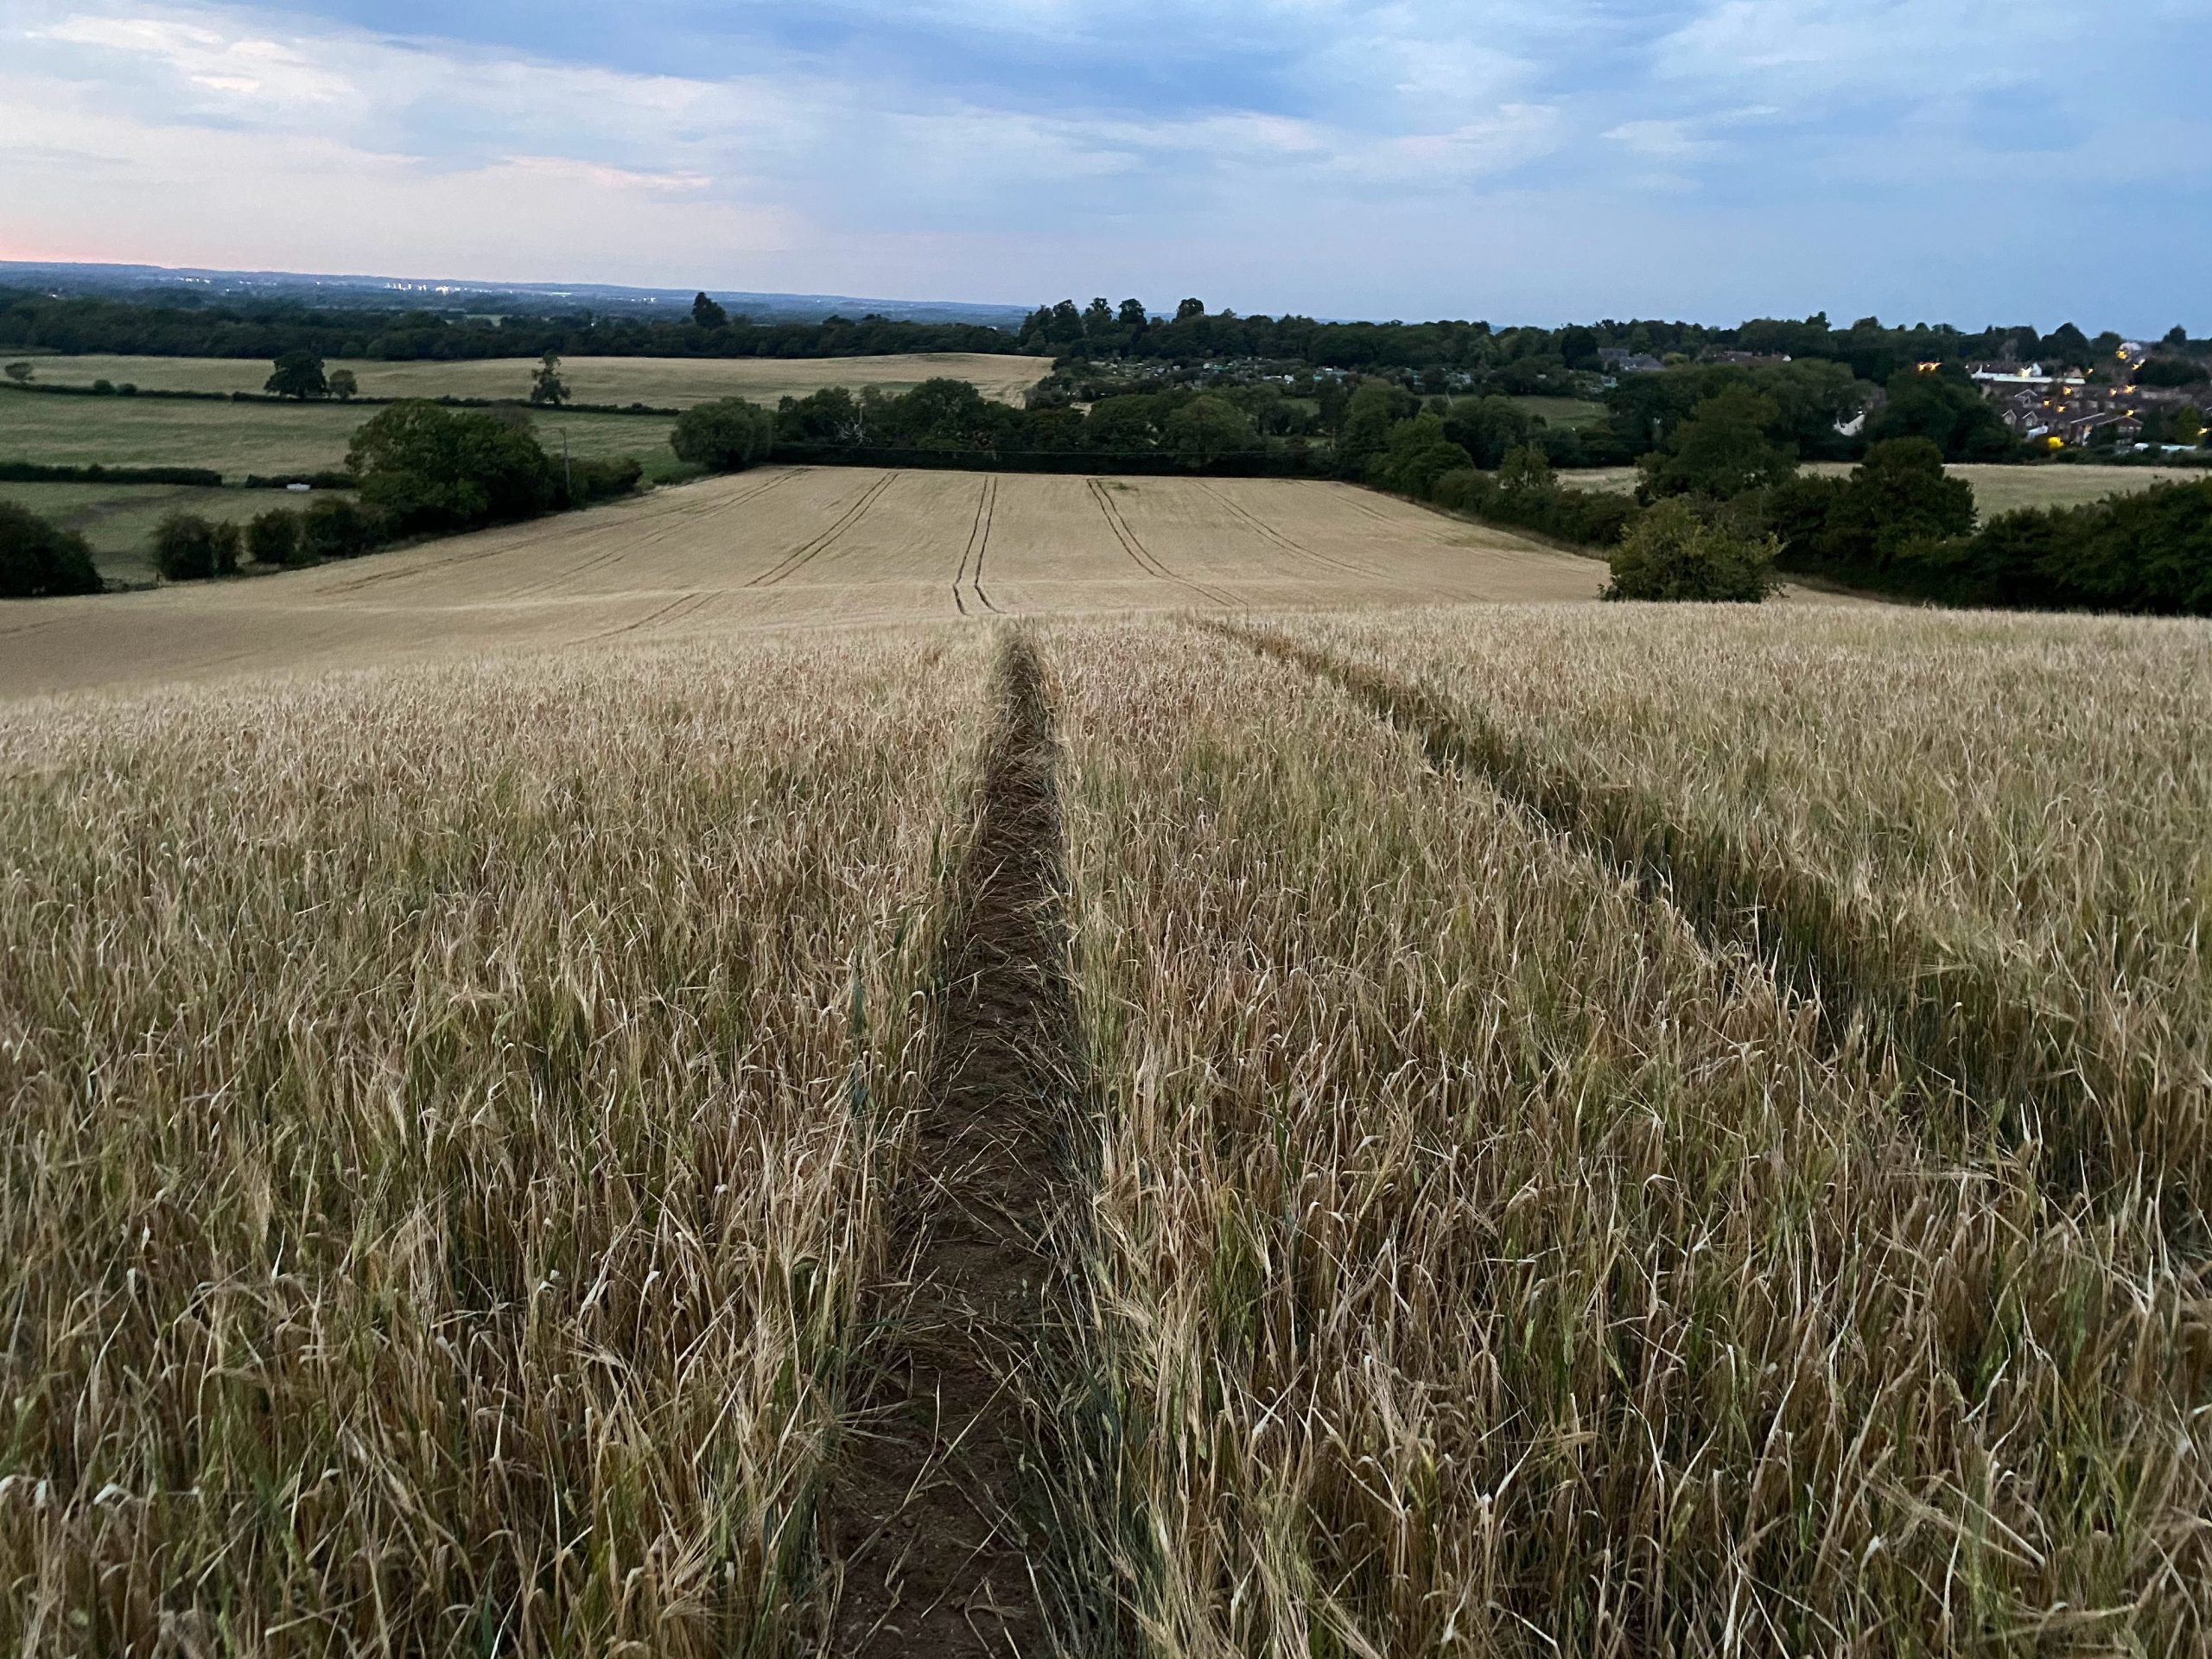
(448, 1119)
(1493, 1268)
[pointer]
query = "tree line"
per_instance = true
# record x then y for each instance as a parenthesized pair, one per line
(1869, 349)
(83, 325)
(1101, 331)
(416, 468)
(1721, 506)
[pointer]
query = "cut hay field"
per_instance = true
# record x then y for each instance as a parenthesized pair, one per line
(236, 439)
(662, 382)
(782, 548)
(882, 1064)
(1996, 489)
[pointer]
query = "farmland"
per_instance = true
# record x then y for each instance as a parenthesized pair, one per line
(920, 1062)
(782, 548)
(661, 382)
(236, 439)
(117, 519)
(1996, 489)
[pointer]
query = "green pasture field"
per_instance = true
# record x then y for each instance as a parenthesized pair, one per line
(1996, 488)
(662, 382)
(236, 439)
(1564, 411)
(119, 519)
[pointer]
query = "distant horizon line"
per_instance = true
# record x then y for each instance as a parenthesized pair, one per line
(651, 293)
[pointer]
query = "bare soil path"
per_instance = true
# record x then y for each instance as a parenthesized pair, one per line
(932, 1512)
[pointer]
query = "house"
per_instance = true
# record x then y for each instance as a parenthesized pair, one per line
(1616, 360)
(2014, 374)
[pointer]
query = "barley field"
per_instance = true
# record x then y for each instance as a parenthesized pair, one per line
(661, 382)
(449, 1116)
(783, 548)
(843, 1062)
(1491, 1261)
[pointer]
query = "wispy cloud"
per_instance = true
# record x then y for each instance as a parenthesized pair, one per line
(1338, 155)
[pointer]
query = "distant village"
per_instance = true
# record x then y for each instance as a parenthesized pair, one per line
(2067, 408)
(2058, 407)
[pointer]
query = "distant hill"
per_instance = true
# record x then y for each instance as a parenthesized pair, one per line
(166, 285)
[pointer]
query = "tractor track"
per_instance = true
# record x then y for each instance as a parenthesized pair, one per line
(979, 540)
(1143, 557)
(807, 551)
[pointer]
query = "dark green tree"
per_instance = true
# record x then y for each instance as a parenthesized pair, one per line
(2168, 371)
(1487, 427)
(188, 547)
(1208, 427)
(334, 527)
(1578, 347)
(1131, 315)
(39, 560)
(1376, 407)
(706, 314)
(1526, 471)
(423, 466)
(273, 539)
(298, 374)
(724, 435)
(1722, 450)
(20, 372)
(546, 387)
(1066, 326)
(1418, 454)
(829, 415)
(344, 387)
(1949, 412)
(1190, 308)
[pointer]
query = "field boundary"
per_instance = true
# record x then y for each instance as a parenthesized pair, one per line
(1961, 1030)
(941, 1515)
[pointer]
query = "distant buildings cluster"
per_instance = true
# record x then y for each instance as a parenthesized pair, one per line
(2064, 407)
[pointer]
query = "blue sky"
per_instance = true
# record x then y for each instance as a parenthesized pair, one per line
(1515, 160)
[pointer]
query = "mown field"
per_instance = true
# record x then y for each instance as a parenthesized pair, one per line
(662, 382)
(1609, 1130)
(236, 439)
(1996, 489)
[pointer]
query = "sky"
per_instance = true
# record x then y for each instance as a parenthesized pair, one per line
(1517, 160)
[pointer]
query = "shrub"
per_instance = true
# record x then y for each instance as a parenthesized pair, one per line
(724, 435)
(586, 481)
(335, 528)
(2150, 552)
(273, 537)
(38, 560)
(1586, 517)
(188, 547)
(1672, 553)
